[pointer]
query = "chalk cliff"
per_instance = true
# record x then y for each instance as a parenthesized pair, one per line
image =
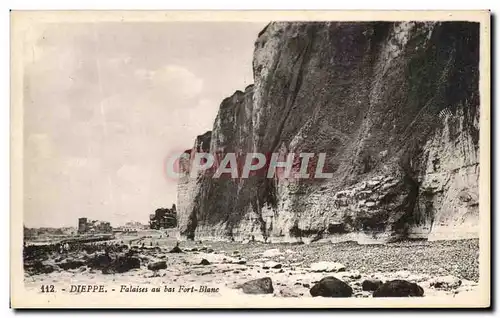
(395, 107)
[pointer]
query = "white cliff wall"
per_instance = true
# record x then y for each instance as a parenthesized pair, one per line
(395, 108)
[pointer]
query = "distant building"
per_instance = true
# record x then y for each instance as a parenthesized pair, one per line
(93, 226)
(163, 218)
(82, 225)
(131, 227)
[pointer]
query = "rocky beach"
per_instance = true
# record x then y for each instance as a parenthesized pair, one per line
(404, 269)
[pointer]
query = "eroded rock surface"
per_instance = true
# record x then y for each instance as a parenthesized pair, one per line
(395, 108)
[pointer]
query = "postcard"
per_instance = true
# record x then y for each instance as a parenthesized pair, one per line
(250, 159)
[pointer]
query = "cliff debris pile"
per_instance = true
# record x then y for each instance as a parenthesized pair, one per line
(395, 108)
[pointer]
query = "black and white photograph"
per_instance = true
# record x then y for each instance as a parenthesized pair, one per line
(250, 159)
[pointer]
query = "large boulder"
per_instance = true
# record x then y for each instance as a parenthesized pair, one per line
(371, 284)
(125, 263)
(399, 288)
(258, 286)
(331, 287)
(100, 261)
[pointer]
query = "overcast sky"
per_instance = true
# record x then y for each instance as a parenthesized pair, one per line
(105, 103)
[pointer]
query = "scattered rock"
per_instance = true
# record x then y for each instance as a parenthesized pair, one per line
(157, 265)
(352, 275)
(287, 292)
(71, 264)
(39, 267)
(331, 287)
(362, 294)
(100, 261)
(124, 264)
(213, 259)
(371, 284)
(446, 282)
(464, 196)
(229, 260)
(271, 253)
(258, 286)
(176, 249)
(399, 288)
(402, 274)
(327, 267)
(271, 264)
(204, 261)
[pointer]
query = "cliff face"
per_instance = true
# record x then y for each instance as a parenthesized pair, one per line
(395, 107)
